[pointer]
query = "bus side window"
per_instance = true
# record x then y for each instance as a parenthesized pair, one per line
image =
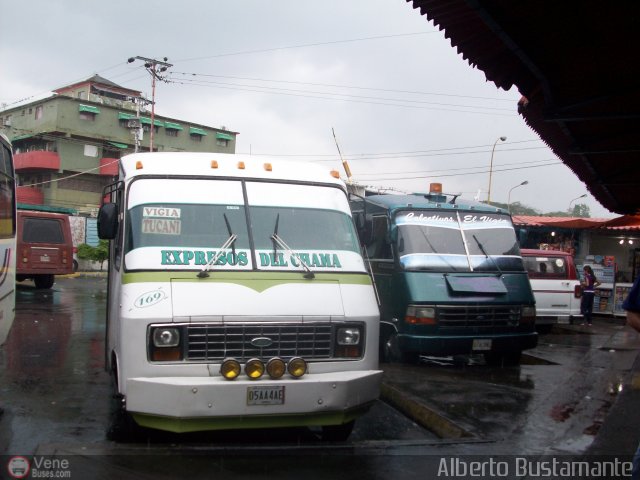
(380, 248)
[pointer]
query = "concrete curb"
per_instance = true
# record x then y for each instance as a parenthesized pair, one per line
(424, 416)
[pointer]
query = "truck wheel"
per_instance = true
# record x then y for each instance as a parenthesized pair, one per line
(391, 351)
(503, 359)
(337, 433)
(43, 281)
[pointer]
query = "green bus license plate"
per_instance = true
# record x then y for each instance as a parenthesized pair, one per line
(265, 395)
(481, 344)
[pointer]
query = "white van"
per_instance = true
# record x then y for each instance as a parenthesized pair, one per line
(556, 286)
(238, 297)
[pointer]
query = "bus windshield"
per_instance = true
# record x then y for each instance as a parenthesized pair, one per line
(183, 224)
(457, 242)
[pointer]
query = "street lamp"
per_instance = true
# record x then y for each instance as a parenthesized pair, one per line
(500, 139)
(577, 198)
(526, 182)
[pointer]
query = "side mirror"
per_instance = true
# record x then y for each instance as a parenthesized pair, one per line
(108, 221)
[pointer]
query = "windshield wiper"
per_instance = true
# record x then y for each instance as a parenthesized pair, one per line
(233, 245)
(275, 234)
(203, 273)
(277, 240)
(486, 254)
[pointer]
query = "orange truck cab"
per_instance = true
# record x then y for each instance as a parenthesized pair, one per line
(44, 247)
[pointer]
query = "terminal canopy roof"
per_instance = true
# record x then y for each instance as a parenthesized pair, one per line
(574, 62)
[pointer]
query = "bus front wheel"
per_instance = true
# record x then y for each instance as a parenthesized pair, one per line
(337, 433)
(502, 359)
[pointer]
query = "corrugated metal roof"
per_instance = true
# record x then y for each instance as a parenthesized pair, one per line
(574, 63)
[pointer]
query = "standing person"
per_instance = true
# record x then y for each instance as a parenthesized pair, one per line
(589, 284)
(632, 305)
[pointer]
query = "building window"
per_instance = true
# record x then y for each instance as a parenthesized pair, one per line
(88, 116)
(39, 111)
(221, 142)
(196, 138)
(81, 94)
(171, 133)
(93, 185)
(90, 151)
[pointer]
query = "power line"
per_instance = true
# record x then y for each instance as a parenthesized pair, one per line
(466, 173)
(355, 87)
(364, 155)
(349, 100)
(304, 45)
(331, 95)
(534, 162)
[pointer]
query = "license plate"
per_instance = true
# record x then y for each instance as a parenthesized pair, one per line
(265, 395)
(45, 258)
(481, 344)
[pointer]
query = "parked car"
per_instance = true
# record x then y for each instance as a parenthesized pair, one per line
(556, 286)
(44, 247)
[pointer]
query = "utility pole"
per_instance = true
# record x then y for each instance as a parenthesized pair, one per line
(154, 67)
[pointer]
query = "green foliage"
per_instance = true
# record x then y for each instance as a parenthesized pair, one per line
(95, 254)
(517, 208)
(580, 210)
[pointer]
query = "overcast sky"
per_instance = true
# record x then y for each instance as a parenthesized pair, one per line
(406, 108)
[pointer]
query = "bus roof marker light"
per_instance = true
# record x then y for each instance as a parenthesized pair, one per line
(335, 174)
(241, 166)
(139, 165)
(268, 167)
(214, 164)
(435, 188)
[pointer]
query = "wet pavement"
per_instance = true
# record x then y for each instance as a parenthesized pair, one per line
(56, 398)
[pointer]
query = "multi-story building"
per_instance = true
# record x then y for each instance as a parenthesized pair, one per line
(67, 145)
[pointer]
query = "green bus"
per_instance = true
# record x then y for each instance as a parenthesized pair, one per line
(449, 276)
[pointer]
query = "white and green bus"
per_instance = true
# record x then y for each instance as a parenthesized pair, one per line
(237, 296)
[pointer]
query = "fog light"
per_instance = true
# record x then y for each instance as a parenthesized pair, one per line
(297, 367)
(230, 369)
(254, 368)
(166, 337)
(276, 367)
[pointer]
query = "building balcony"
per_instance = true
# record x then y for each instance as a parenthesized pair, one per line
(37, 160)
(30, 195)
(109, 166)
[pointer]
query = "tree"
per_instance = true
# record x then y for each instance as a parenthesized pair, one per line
(517, 208)
(96, 254)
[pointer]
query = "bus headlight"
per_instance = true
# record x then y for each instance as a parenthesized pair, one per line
(348, 342)
(166, 337)
(230, 368)
(417, 315)
(528, 315)
(165, 344)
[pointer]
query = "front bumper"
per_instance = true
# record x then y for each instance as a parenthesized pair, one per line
(184, 404)
(461, 345)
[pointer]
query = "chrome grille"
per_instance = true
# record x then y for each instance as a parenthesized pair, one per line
(216, 342)
(478, 316)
